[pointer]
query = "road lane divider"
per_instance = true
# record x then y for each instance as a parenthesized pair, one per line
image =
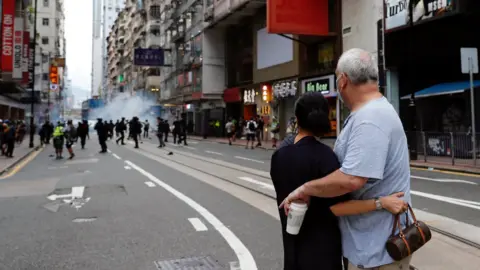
(116, 156)
(444, 180)
(250, 159)
(460, 202)
(260, 183)
(243, 254)
(214, 153)
(198, 224)
(150, 184)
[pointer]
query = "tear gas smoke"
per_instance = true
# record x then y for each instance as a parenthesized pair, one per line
(128, 106)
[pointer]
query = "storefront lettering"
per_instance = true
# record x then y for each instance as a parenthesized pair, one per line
(322, 85)
(394, 9)
(249, 96)
(285, 89)
(436, 5)
(266, 110)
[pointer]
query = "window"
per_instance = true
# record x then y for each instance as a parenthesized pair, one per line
(44, 40)
(45, 76)
(155, 11)
(45, 3)
(44, 58)
(45, 21)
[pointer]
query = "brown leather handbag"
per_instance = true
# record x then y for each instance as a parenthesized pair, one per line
(409, 239)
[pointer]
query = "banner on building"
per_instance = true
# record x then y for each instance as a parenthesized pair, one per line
(17, 49)
(25, 57)
(300, 17)
(8, 12)
(31, 65)
(59, 62)
(148, 57)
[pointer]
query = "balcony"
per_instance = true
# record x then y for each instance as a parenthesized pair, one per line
(229, 12)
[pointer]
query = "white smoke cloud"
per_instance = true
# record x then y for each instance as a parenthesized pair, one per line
(128, 106)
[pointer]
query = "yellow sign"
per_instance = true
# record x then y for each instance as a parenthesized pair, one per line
(266, 110)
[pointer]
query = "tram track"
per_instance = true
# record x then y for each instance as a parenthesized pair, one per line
(262, 175)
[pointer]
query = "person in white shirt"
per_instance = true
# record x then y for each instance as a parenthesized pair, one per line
(229, 128)
(251, 129)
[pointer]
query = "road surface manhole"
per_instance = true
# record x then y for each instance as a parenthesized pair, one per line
(192, 263)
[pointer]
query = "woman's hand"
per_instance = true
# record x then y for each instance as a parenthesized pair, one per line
(394, 204)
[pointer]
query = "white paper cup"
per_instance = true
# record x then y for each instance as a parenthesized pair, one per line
(295, 217)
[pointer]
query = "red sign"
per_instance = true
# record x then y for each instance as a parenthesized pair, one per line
(232, 95)
(53, 74)
(299, 17)
(25, 57)
(8, 12)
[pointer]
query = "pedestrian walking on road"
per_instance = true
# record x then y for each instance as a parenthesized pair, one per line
(251, 129)
(9, 134)
(136, 130)
(120, 129)
(160, 132)
(230, 129)
(182, 131)
(259, 130)
(58, 140)
(373, 152)
(83, 131)
(102, 132)
(70, 133)
(275, 130)
(146, 127)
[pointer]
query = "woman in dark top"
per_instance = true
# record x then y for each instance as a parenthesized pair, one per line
(318, 244)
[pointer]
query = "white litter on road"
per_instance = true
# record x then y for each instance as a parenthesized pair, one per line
(198, 224)
(149, 184)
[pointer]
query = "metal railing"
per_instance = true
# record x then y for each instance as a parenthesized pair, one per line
(449, 148)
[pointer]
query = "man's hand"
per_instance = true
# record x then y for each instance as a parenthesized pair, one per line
(297, 195)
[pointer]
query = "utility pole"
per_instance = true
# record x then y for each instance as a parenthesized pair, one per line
(32, 102)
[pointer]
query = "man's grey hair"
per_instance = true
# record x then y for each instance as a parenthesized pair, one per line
(359, 65)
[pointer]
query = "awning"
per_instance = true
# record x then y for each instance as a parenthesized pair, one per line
(444, 89)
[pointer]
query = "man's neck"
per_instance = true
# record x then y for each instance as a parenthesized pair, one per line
(365, 98)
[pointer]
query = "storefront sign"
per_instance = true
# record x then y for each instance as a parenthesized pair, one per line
(324, 85)
(232, 95)
(396, 13)
(25, 57)
(8, 10)
(17, 48)
(266, 110)
(249, 96)
(285, 89)
(430, 9)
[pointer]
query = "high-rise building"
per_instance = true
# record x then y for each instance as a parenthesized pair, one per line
(104, 14)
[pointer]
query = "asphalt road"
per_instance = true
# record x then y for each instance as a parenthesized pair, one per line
(142, 208)
(452, 195)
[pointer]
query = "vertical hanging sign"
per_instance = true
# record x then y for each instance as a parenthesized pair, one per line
(8, 11)
(25, 57)
(31, 65)
(17, 48)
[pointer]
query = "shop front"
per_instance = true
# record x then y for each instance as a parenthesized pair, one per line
(285, 94)
(326, 86)
(233, 103)
(257, 100)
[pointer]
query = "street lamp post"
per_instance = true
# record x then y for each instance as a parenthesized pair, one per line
(32, 102)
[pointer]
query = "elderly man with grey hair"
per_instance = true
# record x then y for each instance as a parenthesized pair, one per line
(372, 149)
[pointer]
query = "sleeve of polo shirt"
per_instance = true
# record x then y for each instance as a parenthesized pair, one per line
(366, 154)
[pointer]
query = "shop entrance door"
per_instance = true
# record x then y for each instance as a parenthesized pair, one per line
(249, 111)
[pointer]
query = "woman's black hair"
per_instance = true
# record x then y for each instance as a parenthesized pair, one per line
(312, 111)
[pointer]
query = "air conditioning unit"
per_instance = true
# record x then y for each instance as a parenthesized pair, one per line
(208, 14)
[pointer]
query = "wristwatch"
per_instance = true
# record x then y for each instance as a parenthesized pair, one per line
(378, 204)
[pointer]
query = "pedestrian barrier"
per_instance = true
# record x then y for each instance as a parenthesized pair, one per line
(450, 148)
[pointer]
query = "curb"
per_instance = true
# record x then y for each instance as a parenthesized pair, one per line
(8, 168)
(444, 169)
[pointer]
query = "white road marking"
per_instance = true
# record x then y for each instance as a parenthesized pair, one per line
(189, 147)
(53, 197)
(116, 156)
(260, 183)
(249, 159)
(198, 224)
(150, 184)
(215, 153)
(193, 142)
(465, 203)
(77, 192)
(443, 180)
(108, 150)
(128, 168)
(243, 254)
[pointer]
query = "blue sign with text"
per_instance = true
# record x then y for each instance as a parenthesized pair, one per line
(148, 57)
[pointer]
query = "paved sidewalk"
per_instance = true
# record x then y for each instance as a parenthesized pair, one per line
(420, 163)
(20, 152)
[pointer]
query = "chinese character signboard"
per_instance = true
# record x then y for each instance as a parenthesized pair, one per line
(249, 96)
(31, 65)
(148, 57)
(25, 57)
(324, 85)
(285, 89)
